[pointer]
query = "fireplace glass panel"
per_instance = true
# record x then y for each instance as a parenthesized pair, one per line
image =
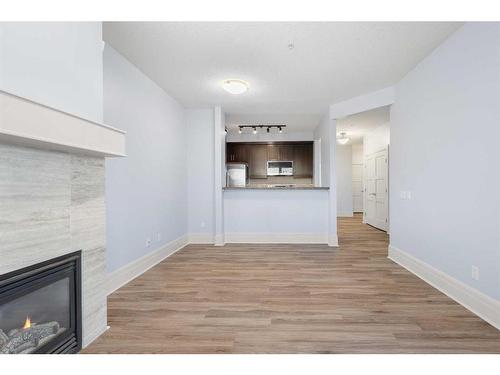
(36, 318)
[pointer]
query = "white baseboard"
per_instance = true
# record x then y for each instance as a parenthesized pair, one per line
(333, 241)
(472, 299)
(318, 238)
(201, 238)
(219, 240)
(122, 276)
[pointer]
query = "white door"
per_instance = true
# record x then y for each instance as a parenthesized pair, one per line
(357, 178)
(357, 187)
(376, 190)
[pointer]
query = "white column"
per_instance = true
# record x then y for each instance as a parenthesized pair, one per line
(332, 201)
(219, 177)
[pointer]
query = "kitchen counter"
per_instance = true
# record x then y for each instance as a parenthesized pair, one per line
(277, 187)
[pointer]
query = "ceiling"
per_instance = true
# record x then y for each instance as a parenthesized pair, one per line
(356, 126)
(330, 61)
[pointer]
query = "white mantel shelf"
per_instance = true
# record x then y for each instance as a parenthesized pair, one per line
(28, 123)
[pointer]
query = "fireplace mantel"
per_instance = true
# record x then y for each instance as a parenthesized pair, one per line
(28, 123)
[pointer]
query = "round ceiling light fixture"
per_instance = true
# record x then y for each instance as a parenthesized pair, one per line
(235, 86)
(343, 139)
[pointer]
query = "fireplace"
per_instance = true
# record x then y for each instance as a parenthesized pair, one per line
(40, 307)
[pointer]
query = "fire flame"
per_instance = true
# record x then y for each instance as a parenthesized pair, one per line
(27, 323)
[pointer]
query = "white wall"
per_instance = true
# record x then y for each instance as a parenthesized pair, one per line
(445, 137)
(376, 140)
(343, 170)
(146, 192)
(58, 64)
(263, 136)
(200, 169)
(276, 212)
(322, 132)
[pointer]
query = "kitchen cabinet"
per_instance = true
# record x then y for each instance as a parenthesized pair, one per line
(256, 154)
(237, 153)
(257, 161)
(280, 152)
(303, 160)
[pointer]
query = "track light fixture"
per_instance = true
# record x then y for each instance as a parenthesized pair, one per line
(267, 127)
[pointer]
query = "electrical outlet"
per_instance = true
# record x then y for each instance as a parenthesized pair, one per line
(475, 272)
(405, 195)
(158, 236)
(202, 224)
(148, 242)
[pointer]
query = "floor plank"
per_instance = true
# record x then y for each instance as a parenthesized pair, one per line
(244, 298)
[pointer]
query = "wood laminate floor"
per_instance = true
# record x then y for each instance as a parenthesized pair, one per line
(289, 299)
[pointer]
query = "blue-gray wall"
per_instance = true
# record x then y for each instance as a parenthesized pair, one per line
(58, 64)
(445, 128)
(146, 192)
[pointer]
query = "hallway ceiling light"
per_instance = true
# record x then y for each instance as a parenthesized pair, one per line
(235, 86)
(343, 139)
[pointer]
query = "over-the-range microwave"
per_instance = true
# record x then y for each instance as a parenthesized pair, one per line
(279, 168)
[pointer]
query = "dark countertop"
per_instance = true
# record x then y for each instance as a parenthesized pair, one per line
(277, 187)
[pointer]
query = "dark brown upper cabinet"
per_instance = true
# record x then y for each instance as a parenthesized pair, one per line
(257, 161)
(256, 154)
(280, 152)
(303, 160)
(237, 153)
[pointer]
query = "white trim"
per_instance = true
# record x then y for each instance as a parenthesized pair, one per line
(27, 123)
(63, 112)
(219, 240)
(332, 237)
(333, 241)
(127, 273)
(201, 238)
(219, 173)
(472, 299)
(314, 238)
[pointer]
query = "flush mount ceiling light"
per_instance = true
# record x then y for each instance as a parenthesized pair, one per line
(343, 139)
(235, 86)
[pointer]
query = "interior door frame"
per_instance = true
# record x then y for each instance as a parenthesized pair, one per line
(386, 149)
